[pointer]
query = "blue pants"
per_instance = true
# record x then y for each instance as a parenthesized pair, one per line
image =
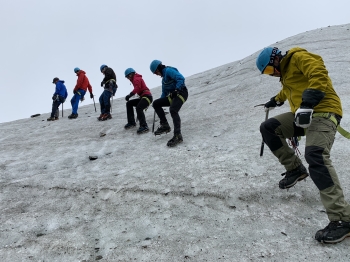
(105, 103)
(75, 100)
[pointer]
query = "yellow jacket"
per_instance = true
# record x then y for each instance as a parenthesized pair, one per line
(301, 70)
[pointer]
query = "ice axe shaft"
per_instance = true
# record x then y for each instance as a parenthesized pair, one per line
(94, 103)
(262, 143)
(154, 119)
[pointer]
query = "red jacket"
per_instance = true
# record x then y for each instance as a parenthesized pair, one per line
(140, 87)
(83, 82)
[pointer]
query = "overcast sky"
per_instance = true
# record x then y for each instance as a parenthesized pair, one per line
(43, 39)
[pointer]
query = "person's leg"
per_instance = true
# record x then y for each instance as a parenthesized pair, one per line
(130, 110)
(55, 105)
(75, 102)
(319, 141)
(102, 105)
(275, 131)
(57, 113)
(158, 105)
(141, 106)
(174, 109)
(106, 101)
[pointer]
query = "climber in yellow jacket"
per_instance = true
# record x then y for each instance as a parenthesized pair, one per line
(316, 112)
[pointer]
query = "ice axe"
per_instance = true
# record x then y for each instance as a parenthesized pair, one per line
(262, 142)
(266, 117)
(94, 103)
(154, 119)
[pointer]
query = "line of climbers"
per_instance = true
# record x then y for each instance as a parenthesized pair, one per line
(316, 113)
(174, 94)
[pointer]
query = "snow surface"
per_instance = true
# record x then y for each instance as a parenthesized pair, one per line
(211, 198)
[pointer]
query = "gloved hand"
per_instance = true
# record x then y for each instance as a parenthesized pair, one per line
(272, 104)
(303, 117)
(128, 96)
(91, 95)
(54, 98)
(74, 92)
(102, 83)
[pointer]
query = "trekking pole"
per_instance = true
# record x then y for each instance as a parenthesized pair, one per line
(62, 109)
(154, 119)
(262, 143)
(94, 103)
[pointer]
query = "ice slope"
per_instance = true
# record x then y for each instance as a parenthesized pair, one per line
(212, 198)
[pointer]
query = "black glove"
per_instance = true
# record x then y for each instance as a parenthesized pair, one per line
(54, 98)
(102, 83)
(74, 92)
(91, 95)
(272, 104)
(128, 96)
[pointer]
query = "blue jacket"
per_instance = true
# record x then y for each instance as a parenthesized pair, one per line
(172, 79)
(61, 89)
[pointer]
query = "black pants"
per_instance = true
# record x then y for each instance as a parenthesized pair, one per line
(174, 109)
(56, 104)
(140, 104)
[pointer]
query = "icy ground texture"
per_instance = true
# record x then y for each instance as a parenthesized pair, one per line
(211, 198)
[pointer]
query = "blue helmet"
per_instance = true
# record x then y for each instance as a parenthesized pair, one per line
(154, 65)
(129, 71)
(76, 70)
(266, 57)
(102, 66)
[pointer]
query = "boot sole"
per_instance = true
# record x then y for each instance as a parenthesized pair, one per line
(302, 177)
(165, 132)
(104, 119)
(129, 127)
(175, 144)
(139, 133)
(334, 241)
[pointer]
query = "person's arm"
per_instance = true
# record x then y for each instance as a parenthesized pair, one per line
(312, 67)
(174, 74)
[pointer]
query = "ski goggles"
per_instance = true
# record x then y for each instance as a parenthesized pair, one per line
(269, 70)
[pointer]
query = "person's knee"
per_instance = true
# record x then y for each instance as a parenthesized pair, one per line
(319, 173)
(313, 155)
(267, 130)
(173, 111)
(139, 109)
(155, 104)
(269, 126)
